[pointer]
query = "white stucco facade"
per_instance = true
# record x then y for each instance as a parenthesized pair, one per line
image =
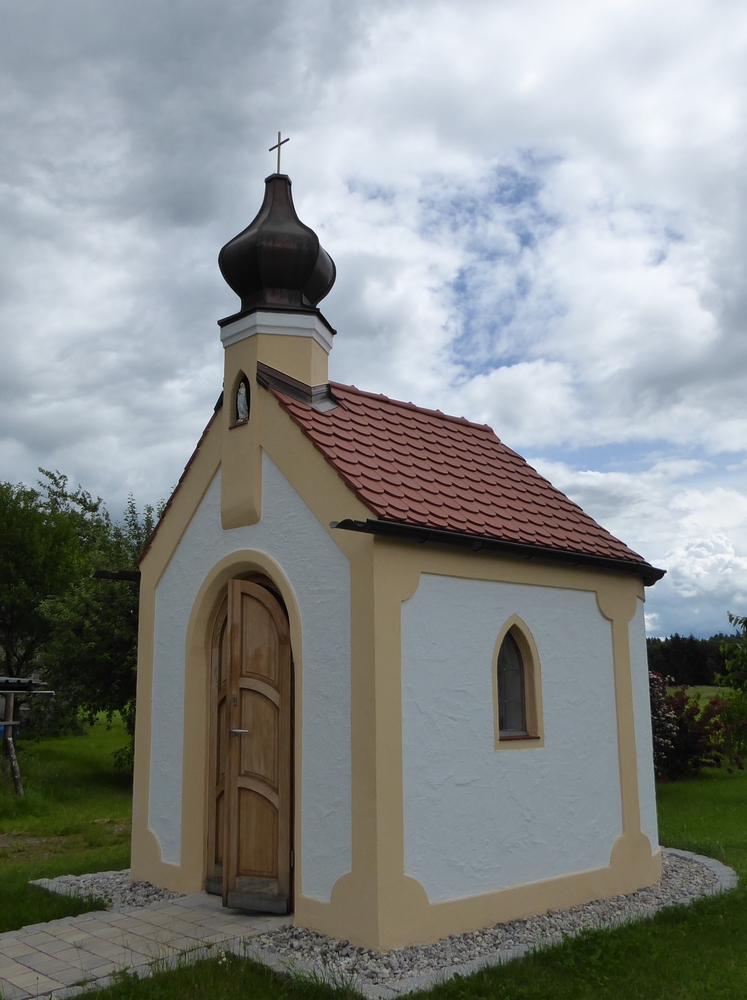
(478, 820)
(643, 739)
(319, 575)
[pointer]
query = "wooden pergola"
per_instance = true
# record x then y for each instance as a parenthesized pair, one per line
(10, 687)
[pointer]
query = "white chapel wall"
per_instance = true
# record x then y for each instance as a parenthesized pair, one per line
(478, 820)
(320, 577)
(643, 740)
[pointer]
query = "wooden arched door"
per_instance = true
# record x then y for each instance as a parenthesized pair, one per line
(250, 830)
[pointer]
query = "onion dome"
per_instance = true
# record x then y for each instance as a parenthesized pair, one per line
(277, 262)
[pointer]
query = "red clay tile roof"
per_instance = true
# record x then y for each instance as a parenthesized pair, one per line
(424, 468)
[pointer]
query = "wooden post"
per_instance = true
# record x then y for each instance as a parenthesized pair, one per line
(10, 747)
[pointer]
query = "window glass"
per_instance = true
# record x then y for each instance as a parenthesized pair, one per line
(511, 696)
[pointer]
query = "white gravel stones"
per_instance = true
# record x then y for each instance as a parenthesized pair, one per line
(114, 887)
(685, 877)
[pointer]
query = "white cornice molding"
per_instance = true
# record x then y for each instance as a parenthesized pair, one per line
(278, 324)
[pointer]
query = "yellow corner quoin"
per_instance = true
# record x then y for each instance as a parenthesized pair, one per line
(252, 438)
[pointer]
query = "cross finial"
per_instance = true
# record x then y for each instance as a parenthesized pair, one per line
(278, 144)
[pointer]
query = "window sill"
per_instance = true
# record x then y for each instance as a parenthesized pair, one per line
(519, 741)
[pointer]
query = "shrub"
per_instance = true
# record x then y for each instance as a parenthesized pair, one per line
(663, 725)
(698, 741)
(688, 736)
(734, 734)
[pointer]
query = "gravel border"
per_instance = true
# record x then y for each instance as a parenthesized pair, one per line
(115, 888)
(379, 976)
(686, 877)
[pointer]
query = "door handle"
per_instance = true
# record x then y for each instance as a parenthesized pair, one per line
(238, 732)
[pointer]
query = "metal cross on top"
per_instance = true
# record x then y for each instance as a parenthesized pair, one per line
(278, 144)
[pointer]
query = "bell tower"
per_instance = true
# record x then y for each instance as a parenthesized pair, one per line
(280, 272)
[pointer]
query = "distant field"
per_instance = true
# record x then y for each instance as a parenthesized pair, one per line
(74, 818)
(703, 692)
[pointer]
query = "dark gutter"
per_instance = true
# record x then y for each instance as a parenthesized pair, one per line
(130, 575)
(478, 543)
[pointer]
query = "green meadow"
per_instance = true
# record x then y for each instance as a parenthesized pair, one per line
(74, 818)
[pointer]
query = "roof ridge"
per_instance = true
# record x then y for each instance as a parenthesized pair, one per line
(420, 409)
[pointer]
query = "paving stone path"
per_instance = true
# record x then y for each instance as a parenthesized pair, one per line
(64, 957)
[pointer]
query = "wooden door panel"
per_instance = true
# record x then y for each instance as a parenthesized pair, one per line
(252, 743)
(259, 749)
(260, 641)
(224, 652)
(261, 789)
(219, 664)
(219, 820)
(258, 834)
(256, 684)
(221, 737)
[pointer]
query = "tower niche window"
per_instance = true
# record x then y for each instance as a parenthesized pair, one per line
(241, 406)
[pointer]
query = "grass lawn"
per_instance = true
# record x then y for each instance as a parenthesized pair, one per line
(704, 692)
(74, 818)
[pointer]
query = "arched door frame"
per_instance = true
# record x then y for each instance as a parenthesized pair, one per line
(197, 723)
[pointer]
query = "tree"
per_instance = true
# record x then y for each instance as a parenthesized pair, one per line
(56, 622)
(687, 660)
(41, 556)
(735, 652)
(91, 653)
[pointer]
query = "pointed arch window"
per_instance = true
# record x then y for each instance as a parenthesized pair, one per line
(517, 689)
(512, 708)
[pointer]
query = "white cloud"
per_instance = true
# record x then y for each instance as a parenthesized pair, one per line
(674, 515)
(538, 211)
(708, 565)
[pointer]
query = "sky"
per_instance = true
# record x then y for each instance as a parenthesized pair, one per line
(537, 209)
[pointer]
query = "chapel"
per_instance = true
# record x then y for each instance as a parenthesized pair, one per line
(390, 679)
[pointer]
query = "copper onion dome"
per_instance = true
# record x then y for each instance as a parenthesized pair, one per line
(277, 262)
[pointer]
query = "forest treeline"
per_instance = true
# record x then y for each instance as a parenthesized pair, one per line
(687, 660)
